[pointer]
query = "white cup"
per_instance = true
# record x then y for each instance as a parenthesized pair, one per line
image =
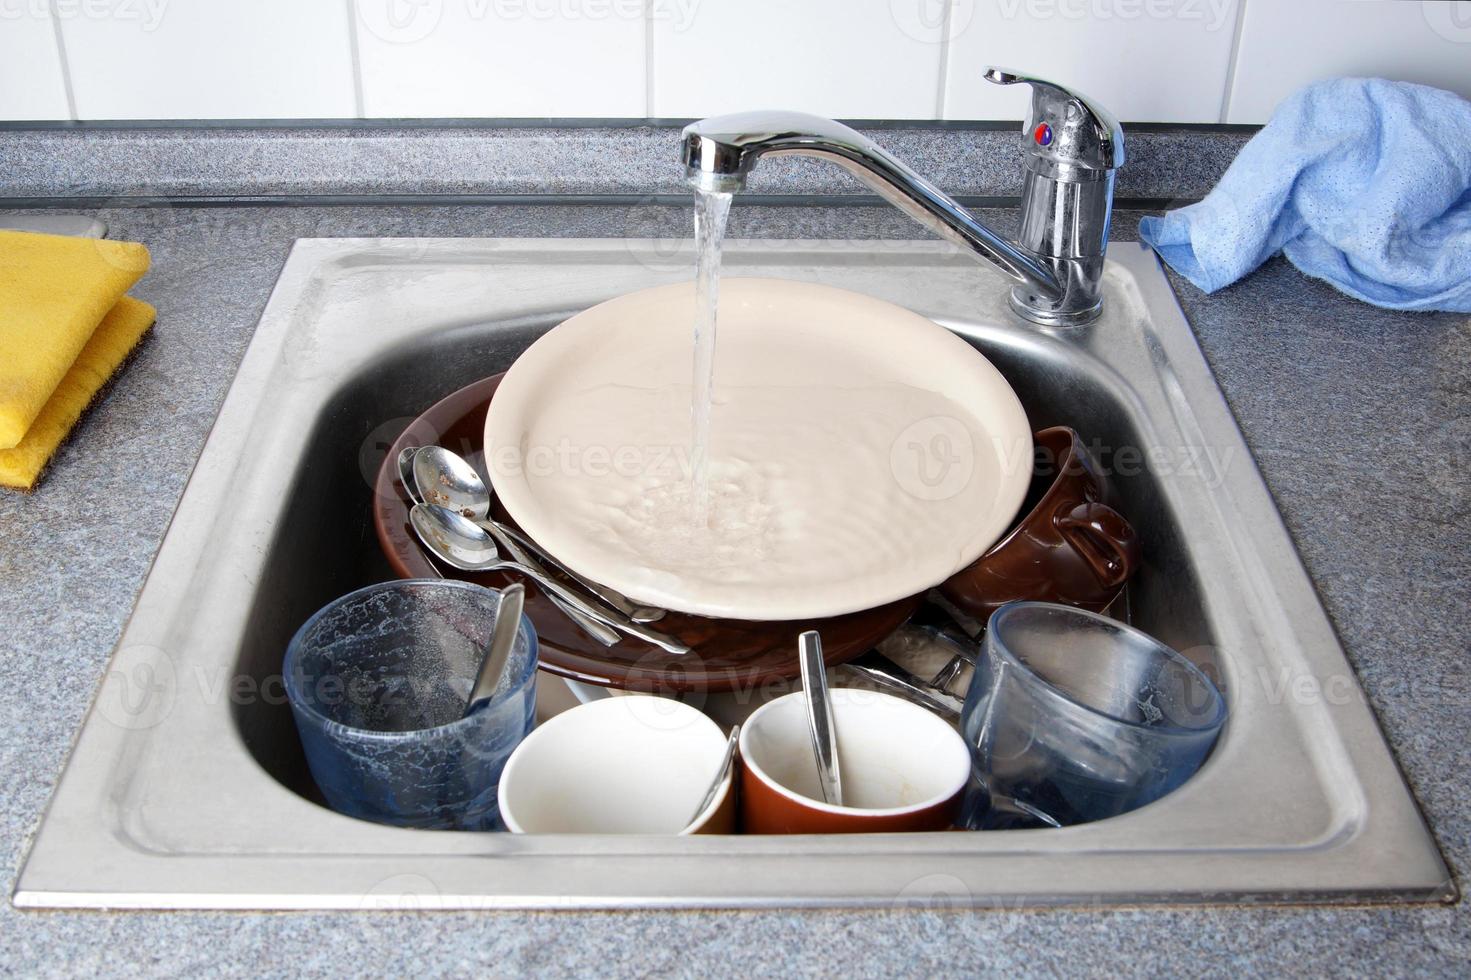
(630, 765)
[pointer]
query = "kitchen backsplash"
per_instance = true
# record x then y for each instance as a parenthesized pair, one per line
(1189, 61)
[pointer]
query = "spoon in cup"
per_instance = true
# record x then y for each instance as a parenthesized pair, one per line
(502, 639)
(719, 780)
(820, 717)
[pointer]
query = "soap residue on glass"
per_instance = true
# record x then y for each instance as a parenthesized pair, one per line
(712, 208)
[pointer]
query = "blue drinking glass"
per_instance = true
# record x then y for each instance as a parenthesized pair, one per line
(1072, 717)
(378, 681)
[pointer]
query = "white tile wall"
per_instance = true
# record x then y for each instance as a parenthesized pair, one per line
(502, 57)
(848, 58)
(1161, 61)
(32, 85)
(208, 59)
(1285, 45)
(1147, 60)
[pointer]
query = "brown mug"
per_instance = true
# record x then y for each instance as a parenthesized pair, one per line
(902, 767)
(1070, 546)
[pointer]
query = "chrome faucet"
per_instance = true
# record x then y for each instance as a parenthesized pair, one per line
(1073, 149)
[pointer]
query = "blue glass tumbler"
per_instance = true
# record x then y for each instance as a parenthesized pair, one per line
(1073, 717)
(378, 681)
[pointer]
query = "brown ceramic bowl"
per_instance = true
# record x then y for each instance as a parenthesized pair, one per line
(729, 654)
(1071, 547)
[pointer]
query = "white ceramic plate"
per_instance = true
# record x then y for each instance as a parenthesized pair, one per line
(861, 453)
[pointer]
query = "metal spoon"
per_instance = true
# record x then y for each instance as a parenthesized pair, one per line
(430, 535)
(411, 481)
(447, 479)
(406, 474)
(467, 546)
(820, 717)
(880, 670)
(502, 638)
(725, 760)
(406, 477)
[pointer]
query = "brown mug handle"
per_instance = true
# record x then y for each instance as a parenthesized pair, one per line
(1103, 539)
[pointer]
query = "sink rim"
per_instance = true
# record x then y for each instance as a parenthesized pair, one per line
(107, 841)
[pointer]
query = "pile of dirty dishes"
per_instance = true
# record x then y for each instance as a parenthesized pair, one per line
(415, 703)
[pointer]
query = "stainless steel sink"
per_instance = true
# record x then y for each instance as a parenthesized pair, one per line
(187, 787)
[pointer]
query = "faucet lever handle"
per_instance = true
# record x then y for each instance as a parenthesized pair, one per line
(1065, 127)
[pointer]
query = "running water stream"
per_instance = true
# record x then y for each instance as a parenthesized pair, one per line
(712, 208)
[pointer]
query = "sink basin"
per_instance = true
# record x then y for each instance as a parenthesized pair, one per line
(187, 787)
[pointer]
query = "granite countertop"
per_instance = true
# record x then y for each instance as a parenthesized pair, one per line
(1359, 418)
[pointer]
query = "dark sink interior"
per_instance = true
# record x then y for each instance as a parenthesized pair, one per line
(326, 546)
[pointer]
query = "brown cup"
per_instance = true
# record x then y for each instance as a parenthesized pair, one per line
(902, 768)
(1071, 547)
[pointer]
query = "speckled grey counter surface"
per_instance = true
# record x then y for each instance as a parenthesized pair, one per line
(1359, 418)
(127, 162)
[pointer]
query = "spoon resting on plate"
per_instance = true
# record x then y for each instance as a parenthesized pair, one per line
(447, 479)
(464, 544)
(443, 492)
(406, 474)
(435, 540)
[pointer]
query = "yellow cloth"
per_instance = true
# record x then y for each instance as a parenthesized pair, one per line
(54, 291)
(110, 344)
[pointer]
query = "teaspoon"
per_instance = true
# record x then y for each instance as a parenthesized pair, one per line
(820, 717)
(444, 494)
(406, 474)
(725, 760)
(502, 639)
(447, 479)
(467, 546)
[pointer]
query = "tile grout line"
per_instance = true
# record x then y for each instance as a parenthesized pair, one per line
(1232, 59)
(359, 104)
(66, 70)
(946, 19)
(649, 59)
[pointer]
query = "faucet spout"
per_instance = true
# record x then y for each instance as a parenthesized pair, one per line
(1072, 148)
(718, 154)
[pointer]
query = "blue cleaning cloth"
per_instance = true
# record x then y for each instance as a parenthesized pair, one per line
(1363, 182)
